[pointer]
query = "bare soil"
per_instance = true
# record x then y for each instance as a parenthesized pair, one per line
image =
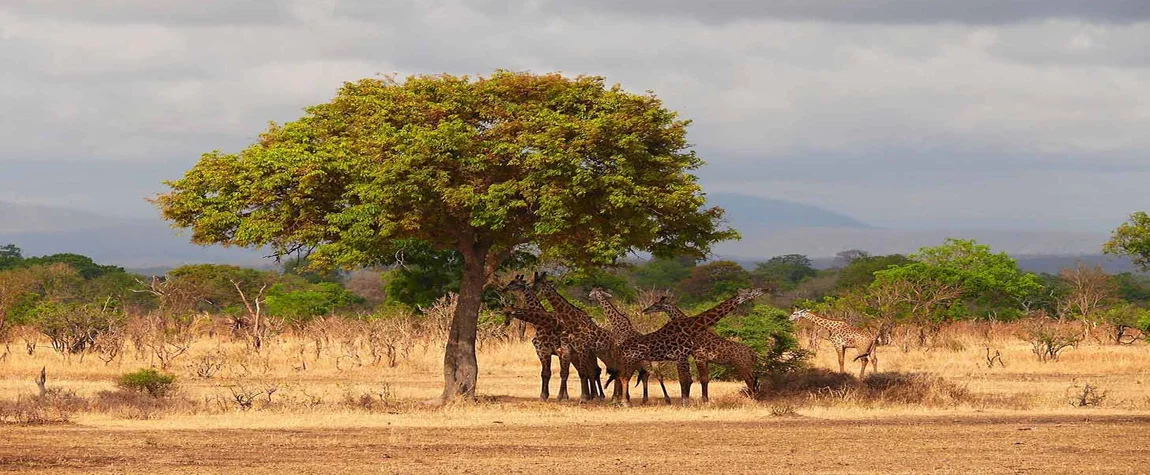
(967, 444)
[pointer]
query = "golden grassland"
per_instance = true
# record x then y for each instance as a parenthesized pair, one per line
(934, 410)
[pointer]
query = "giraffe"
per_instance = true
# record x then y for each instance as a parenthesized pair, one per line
(842, 336)
(546, 340)
(622, 330)
(581, 335)
(674, 341)
(712, 348)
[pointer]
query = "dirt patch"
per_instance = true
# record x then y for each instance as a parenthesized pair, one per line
(1051, 444)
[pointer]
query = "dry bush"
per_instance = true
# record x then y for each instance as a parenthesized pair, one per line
(391, 337)
(54, 406)
(1049, 338)
(821, 386)
(371, 399)
(108, 345)
(436, 322)
(206, 366)
(137, 405)
(1085, 395)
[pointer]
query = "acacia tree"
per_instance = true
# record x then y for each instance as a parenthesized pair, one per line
(575, 170)
(1132, 239)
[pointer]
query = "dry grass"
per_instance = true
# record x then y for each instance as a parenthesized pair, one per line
(330, 393)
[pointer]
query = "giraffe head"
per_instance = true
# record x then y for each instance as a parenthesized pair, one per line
(518, 284)
(664, 305)
(540, 281)
(800, 313)
(599, 293)
(746, 295)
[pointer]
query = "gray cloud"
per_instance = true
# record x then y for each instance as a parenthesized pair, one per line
(897, 12)
(198, 12)
(995, 111)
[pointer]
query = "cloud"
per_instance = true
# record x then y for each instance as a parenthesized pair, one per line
(795, 96)
(895, 12)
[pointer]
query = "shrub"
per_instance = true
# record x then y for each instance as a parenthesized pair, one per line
(155, 383)
(768, 331)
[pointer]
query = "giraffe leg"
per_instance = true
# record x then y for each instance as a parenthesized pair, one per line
(644, 375)
(746, 371)
(586, 381)
(684, 382)
(704, 377)
(666, 397)
(564, 373)
(623, 384)
(842, 351)
(862, 371)
(545, 377)
(598, 382)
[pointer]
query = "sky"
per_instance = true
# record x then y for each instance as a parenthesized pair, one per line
(908, 114)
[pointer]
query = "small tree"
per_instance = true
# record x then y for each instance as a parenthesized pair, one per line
(580, 172)
(784, 272)
(1088, 289)
(1132, 239)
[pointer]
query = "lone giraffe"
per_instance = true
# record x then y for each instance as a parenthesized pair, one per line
(712, 348)
(844, 335)
(674, 341)
(546, 340)
(622, 330)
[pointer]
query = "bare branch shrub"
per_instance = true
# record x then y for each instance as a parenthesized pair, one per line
(1048, 339)
(1086, 395)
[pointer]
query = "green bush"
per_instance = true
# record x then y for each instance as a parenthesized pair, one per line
(769, 332)
(155, 383)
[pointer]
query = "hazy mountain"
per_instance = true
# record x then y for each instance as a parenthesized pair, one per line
(827, 241)
(770, 227)
(753, 215)
(40, 230)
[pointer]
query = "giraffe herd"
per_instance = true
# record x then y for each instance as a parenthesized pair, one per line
(568, 332)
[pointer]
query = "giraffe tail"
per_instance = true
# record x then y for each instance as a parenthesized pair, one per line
(870, 348)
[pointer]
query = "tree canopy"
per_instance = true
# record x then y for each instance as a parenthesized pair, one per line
(1132, 239)
(580, 172)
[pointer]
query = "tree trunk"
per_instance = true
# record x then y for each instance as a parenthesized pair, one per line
(460, 370)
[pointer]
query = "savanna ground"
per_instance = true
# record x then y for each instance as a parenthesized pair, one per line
(937, 410)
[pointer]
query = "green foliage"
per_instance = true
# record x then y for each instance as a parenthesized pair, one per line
(768, 331)
(989, 283)
(860, 271)
(1132, 239)
(1133, 287)
(662, 273)
(155, 383)
(299, 266)
(71, 326)
(213, 286)
(612, 281)
(10, 256)
(315, 300)
(783, 272)
(712, 281)
(84, 265)
(1125, 314)
(585, 172)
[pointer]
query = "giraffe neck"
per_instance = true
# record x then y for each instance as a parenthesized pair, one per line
(716, 313)
(615, 317)
(531, 299)
(821, 321)
(565, 311)
(538, 317)
(675, 313)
